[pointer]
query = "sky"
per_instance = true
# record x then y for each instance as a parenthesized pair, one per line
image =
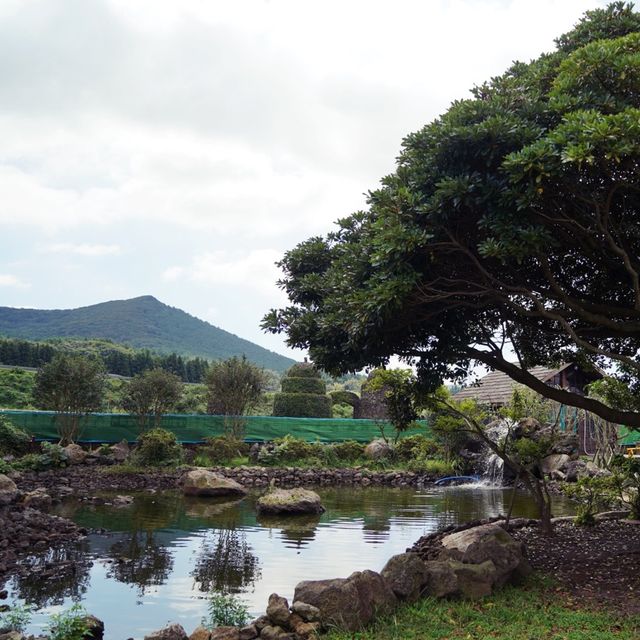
(179, 148)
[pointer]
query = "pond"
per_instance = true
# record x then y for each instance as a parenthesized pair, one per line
(163, 554)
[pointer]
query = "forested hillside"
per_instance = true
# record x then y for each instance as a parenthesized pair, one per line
(143, 323)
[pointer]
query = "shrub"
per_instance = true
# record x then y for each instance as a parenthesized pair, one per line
(224, 448)
(303, 385)
(302, 405)
(417, 446)
(157, 448)
(53, 455)
(13, 440)
(17, 618)
(433, 466)
(69, 625)
(289, 449)
(349, 450)
(225, 610)
(30, 462)
(302, 370)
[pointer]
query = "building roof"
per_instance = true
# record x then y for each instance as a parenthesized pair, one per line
(497, 387)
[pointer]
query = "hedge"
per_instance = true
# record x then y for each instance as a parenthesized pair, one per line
(304, 385)
(302, 405)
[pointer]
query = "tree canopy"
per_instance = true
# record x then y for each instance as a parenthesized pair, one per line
(509, 234)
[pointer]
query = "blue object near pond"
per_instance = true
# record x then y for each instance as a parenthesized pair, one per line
(456, 480)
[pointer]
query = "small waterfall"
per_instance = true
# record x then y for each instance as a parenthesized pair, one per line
(493, 464)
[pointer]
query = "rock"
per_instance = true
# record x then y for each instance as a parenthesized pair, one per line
(122, 501)
(441, 579)
(225, 633)
(488, 542)
(475, 580)
(289, 502)
(612, 515)
(278, 610)
(120, 451)
(75, 454)
(554, 462)
(172, 632)
(306, 611)
(38, 499)
(377, 449)
(249, 632)
(594, 471)
(307, 629)
(11, 635)
(8, 490)
(406, 574)
(574, 470)
(200, 482)
(200, 633)
(260, 623)
(272, 633)
(348, 603)
(95, 628)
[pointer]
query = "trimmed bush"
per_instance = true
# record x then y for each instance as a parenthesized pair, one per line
(303, 385)
(157, 448)
(302, 405)
(303, 370)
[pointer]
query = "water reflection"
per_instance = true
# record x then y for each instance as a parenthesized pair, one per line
(49, 577)
(225, 562)
(138, 559)
(295, 531)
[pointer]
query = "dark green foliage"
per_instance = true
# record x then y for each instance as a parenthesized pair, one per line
(415, 447)
(224, 449)
(152, 394)
(626, 483)
(593, 494)
(344, 397)
(303, 385)
(157, 448)
(52, 456)
(349, 450)
(142, 322)
(303, 394)
(510, 223)
(72, 386)
(13, 441)
(302, 405)
(289, 449)
(225, 610)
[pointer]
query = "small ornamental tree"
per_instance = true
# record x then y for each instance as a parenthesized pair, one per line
(152, 393)
(72, 386)
(304, 394)
(234, 386)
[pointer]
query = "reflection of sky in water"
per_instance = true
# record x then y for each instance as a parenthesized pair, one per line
(181, 548)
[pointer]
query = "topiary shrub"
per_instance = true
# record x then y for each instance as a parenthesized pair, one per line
(13, 440)
(302, 405)
(157, 448)
(224, 449)
(303, 394)
(303, 385)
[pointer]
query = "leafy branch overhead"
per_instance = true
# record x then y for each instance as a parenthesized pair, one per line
(511, 224)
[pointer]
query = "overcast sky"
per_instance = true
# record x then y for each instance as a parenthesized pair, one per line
(178, 148)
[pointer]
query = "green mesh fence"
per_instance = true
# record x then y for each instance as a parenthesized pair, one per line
(114, 427)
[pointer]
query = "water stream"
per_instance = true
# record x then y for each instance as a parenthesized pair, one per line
(164, 553)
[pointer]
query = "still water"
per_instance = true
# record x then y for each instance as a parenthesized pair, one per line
(164, 553)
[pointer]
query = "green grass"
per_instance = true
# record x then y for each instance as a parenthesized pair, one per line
(534, 611)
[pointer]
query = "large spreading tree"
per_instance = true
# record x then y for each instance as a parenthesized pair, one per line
(509, 234)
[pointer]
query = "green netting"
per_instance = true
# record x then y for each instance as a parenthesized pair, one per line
(114, 427)
(628, 437)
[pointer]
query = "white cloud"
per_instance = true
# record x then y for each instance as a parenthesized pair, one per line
(89, 250)
(9, 280)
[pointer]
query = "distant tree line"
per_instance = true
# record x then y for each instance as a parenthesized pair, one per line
(25, 353)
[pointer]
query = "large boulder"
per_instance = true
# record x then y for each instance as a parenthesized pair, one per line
(75, 454)
(488, 543)
(289, 502)
(406, 574)
(554, 462)
(172, 632)
(378, 449)
(120, 451)
(348, 603)
(201, 482)
(8, 490)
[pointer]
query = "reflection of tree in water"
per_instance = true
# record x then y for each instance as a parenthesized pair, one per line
(54, 575)
(226, 563)
(138, 559)
(295, 531)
